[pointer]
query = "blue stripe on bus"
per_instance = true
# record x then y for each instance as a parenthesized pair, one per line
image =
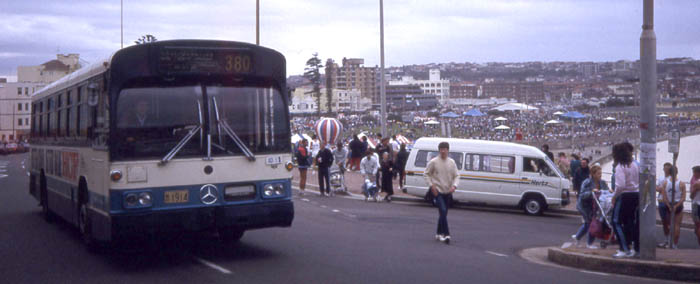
(69, 191)
(116, 200)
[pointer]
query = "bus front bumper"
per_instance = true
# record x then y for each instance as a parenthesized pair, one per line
(243, 217)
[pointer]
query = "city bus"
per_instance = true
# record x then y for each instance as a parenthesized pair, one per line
(166, 137)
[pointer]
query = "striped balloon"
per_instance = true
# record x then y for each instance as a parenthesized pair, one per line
(328, 129)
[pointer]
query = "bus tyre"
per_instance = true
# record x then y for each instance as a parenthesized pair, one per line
(230, 235)
(533, 205)
(85, 227)
(44, 201)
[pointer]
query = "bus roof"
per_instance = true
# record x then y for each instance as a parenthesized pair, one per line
(480, 146)
(79, 75)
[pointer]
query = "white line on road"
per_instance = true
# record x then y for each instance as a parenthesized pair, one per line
(3, 176)
(213, 266)
(304, 199)
(497, 254)
(596, 273)
(324, 206)
(336, 210)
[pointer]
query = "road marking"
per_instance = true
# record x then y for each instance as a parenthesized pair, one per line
(324, 206)
(497, 254)
(593, 272)
(3, 176)
(304, 199)
(213, 266)
(336, 210)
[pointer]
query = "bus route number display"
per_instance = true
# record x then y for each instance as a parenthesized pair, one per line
(190, 60)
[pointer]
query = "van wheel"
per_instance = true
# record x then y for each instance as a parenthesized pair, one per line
(533, 205)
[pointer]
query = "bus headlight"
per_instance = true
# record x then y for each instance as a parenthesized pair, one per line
(289, 166)
(141, 199)
(145, 199)
(274, 190)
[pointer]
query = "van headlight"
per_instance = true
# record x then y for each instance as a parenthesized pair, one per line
(274, 190)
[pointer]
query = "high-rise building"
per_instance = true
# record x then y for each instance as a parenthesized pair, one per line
(353, 75)
(433, 86)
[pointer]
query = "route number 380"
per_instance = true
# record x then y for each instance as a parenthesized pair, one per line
(237, 63)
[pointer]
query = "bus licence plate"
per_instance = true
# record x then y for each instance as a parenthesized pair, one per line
(176, 196)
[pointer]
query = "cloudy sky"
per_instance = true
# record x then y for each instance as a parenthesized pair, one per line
(416, 31)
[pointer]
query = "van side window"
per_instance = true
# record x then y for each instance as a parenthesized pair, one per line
(536, 165)
(490, 163)
(423, 157)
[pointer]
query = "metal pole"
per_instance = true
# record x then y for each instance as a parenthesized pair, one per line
(647, 127)
(673, 198)
(382, 88)
(257, 22)
(121, 23)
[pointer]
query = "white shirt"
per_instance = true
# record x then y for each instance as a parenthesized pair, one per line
(369, 166)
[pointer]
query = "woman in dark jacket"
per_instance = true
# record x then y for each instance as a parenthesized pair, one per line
(387, 166)
(584, 204)
(401, 159)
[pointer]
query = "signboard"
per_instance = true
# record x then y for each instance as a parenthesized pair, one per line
(188, 60)
(674, 141)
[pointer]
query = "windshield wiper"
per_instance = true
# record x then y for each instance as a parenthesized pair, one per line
(223, 124)
(184, 140)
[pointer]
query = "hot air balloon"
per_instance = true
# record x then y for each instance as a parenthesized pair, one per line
(328, 129)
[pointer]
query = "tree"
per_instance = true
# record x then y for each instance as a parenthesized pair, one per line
(312, 73)
(329, 84)
(146, 39)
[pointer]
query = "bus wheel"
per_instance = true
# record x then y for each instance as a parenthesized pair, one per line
(44, 200)
(533, 205)
(85, 227)
(230, 235)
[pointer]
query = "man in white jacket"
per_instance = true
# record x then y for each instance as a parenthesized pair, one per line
(369, 166)
(441, 175)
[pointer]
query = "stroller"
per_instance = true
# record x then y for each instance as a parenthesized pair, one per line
(601, 223)
(337, 179)
(370, 190)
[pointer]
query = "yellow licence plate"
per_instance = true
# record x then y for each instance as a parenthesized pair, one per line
(176, 196)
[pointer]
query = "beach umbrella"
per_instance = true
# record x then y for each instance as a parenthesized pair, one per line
(553, 121)
(431, 122)
(328, 129)
(370, 142)
(558, 113)
(663, 115)
(502, 127)
(298, 137)
(500, 118)
(473, 112)
(609, 118)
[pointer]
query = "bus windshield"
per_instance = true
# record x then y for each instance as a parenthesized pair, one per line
(151, 121)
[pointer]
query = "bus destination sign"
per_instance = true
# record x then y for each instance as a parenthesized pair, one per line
(190, 60)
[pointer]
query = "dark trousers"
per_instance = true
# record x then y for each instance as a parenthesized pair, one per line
(443, 201)
(626, 220)
(324, 174)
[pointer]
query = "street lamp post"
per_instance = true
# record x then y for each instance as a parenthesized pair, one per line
(257, 22)
(382, 88)
(647, 127)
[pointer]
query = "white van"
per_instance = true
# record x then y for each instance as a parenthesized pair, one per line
(493, 173)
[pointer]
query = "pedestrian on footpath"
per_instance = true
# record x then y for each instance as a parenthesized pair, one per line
(573, 167)
(695, 196)
(584, 204)
(664, 211)
(303, 162)
(324, 160)
(401, 159)
(626, 201)
(673, 196)
(441, 175)
(356, 153)
(368, 168)
(563, 163)
(387, 166)
(581, 174)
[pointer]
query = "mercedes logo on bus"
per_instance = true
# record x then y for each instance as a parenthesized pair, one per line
(208, 194)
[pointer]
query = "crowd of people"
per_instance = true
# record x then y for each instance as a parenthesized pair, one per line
(596, 200)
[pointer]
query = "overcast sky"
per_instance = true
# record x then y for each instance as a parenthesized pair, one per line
(416, 31)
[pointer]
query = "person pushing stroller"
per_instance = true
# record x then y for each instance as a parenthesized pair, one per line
(369, 167)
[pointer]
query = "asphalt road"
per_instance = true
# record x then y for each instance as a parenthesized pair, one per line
(332, 240)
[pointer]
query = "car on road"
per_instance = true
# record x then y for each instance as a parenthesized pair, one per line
(493, 173)
(3, 148)
(11, 148)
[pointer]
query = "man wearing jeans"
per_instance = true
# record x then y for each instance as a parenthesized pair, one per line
(441, 175)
